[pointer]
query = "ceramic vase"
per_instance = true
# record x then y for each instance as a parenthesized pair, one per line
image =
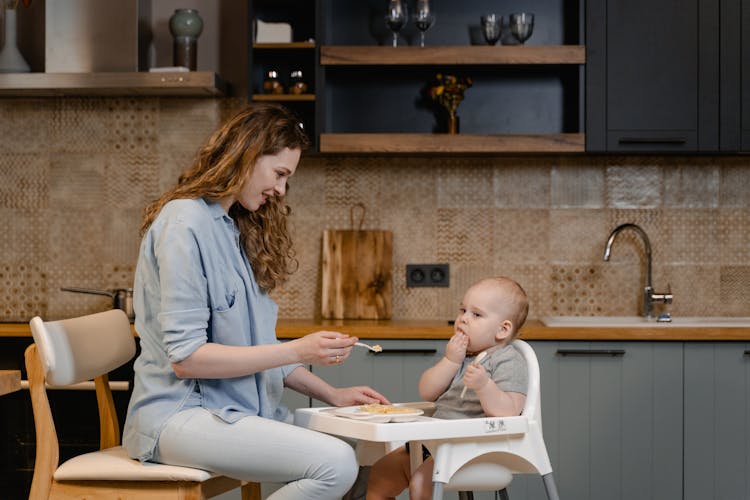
(11, 60)
(186, 26)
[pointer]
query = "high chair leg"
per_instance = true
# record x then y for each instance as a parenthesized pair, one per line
(550, 486)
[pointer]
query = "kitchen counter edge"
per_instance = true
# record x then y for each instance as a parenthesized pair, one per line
(436, 330)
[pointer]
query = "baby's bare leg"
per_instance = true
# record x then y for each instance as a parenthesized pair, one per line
(420, 486)
(389, 476)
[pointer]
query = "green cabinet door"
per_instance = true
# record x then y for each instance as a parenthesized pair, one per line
(717, 420)
(612, 420)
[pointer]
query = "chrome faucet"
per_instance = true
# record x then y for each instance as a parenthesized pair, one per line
(649, 297)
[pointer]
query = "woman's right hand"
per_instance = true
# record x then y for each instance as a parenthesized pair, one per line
(324, 348)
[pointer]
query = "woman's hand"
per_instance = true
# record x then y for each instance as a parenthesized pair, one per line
(349, 396)
(455, 350)
(475, 376)
(323, 348)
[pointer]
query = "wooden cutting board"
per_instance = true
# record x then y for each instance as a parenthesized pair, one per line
(356, 274)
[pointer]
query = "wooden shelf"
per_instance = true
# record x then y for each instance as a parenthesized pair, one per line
(284, 46)
(193, 83)
(448, 143)
(283, 97)
(363, 55)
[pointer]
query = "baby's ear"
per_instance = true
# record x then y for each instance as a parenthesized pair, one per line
(504, 330)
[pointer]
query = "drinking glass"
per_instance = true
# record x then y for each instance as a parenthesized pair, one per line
(491, 24)
(396, 18)
(521, 26)
(424, 18)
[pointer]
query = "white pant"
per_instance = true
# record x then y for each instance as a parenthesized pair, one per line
(312, 464)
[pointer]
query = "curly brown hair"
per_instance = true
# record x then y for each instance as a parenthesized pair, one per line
(220, 169)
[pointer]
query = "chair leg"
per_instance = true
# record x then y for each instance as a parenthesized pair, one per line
(465, 495)
(503, 494)
(550, 486)
(437, 490)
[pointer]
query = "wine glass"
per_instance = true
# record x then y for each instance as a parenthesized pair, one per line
(424, 18)
(396, 18)
(491, 24)
(521, 26)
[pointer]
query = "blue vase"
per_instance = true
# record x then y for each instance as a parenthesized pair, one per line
(186, 26)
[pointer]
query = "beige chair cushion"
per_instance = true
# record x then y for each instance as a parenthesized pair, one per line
(115, 464)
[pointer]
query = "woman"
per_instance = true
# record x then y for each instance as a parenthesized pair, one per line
(210, 375)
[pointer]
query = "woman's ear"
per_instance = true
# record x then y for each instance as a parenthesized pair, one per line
(504, 330)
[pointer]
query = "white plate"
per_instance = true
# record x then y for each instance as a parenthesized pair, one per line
(355, 413)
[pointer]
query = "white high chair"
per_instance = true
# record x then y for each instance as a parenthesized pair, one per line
(467, 461)
(72, 351)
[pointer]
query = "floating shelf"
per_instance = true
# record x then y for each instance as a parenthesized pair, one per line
(452, 143)
(192, 83)
(362, 55)
(284, 46)
(283, 97)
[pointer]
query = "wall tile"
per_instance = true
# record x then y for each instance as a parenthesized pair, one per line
(631, 184)
(75, 174)
(577, 186)
(524, 185)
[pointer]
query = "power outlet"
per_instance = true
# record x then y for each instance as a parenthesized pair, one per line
(435, 275)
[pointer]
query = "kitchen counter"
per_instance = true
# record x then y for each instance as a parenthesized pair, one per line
(423, 329)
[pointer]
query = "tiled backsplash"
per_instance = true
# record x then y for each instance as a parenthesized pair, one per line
(75, 174)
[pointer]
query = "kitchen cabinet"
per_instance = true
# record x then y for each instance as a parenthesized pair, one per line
(612, 420)
(370, 97)
(652, 84)
(283, 58)
(717, 420)
(735, 75)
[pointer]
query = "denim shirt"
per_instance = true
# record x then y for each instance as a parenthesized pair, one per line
(193, 285)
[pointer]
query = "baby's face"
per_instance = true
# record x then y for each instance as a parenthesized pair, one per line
(481, 317)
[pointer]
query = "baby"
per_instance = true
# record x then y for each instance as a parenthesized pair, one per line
(463, 385)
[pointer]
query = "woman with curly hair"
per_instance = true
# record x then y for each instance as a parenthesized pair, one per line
(210, 374)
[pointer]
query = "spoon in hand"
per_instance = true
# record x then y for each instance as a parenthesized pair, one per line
(476, 361)
(373, 348)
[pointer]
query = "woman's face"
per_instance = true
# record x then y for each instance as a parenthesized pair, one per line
(268, 178)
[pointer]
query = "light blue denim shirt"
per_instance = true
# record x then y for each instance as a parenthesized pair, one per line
(193, 285)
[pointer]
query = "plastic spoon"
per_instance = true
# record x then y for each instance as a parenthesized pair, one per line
(373, 348)
(478, 360)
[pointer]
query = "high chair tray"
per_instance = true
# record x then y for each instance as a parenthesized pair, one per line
(420, 429)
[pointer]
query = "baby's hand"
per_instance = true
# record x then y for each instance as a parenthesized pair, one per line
(475, 377)
(455, 350)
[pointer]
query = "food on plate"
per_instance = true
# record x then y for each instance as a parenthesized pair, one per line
(378, 408)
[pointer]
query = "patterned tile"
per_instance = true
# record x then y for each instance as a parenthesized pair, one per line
(734, 189)
(574, 186)
(691, 186)
(75, 174)
(734, 236)
(633, 186)
(524, 185)
(464, 236)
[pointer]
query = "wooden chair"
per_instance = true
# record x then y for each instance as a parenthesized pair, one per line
(77, 350)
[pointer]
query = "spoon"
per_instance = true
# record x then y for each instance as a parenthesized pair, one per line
(373, 348)
(476, 361)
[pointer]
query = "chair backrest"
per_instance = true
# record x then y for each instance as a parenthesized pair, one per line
(533, 406)
(80, 349)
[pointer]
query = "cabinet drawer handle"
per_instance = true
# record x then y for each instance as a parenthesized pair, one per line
(591, 352)
(403, 351)
(652, 140)
(747, 353)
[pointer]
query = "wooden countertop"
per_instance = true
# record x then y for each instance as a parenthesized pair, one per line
(426, 330)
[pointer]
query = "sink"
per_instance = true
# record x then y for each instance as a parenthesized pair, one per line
(641, 322)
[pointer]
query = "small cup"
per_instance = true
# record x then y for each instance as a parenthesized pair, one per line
(491, 27)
